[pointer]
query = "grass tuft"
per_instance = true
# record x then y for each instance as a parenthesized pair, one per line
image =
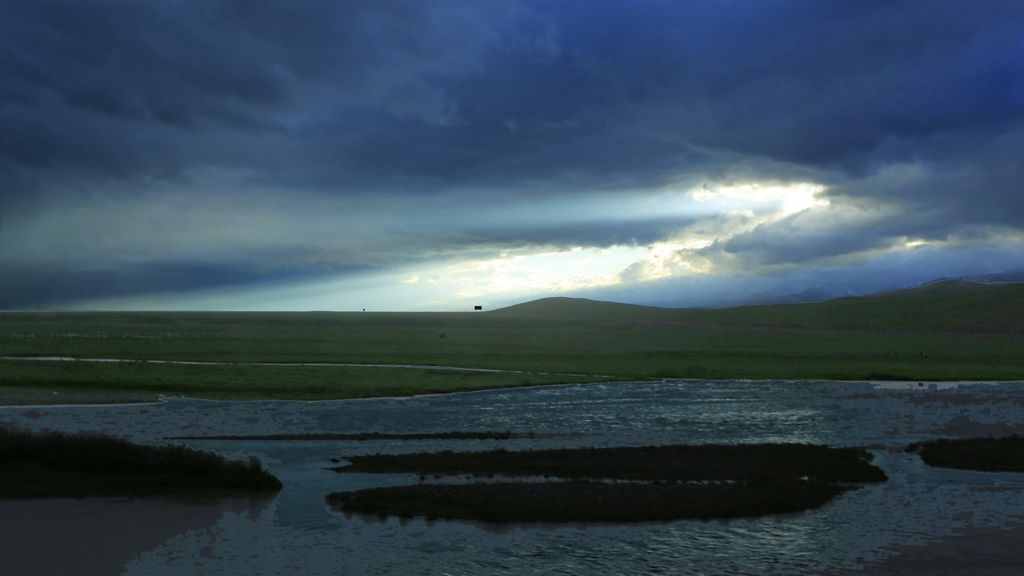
(633, 484)
(702, 462)
(55, 464)
(1004, 454)
(583, 501)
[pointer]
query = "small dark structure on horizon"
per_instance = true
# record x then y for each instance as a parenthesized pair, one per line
(478, 307)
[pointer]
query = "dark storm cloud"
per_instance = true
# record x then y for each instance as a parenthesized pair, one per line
(598, 89)
(34, 287)
(918, 108)
(88, 84)
(128, 88)
(958, 178)
(595, 87)
(803, 237)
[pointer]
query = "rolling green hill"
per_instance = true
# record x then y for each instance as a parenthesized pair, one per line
(951, 330)
(943, 306)
(947, 306)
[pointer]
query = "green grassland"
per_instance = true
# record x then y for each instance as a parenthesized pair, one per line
(943, 331)
(246, 381)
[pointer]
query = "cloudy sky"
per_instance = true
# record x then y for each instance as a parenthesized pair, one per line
(410, 155)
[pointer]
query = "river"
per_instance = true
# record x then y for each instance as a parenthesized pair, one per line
(961, 521)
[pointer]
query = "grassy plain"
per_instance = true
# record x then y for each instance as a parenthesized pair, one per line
(142, 380)
(944, 331)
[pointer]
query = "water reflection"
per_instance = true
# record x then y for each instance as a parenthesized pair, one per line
(99, 536)
(917, 507)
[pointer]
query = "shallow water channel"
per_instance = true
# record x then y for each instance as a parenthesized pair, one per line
(963, 522)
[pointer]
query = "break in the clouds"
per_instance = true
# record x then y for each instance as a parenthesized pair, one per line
(429, 155)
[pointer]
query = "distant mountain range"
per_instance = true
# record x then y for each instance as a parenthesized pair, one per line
(1013, 276)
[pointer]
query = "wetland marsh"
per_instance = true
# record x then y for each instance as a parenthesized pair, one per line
(550, 375)
(918, 506)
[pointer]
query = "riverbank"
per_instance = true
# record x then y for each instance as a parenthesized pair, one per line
(28, 381)
(33, 396)
(54, 465)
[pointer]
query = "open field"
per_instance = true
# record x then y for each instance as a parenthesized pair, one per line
(944, 331)
(142, 380)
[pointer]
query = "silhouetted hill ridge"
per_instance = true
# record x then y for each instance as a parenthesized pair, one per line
(943, 305)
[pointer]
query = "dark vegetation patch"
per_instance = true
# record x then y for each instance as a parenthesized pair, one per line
(361, 436)
(708, 462)
(1004, 454)
(54, 464)
(582, 501)
(634, 484)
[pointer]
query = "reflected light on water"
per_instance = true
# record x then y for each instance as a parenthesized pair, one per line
(298, 532)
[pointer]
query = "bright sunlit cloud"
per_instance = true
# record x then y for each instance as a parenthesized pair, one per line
(785, 199)
(706, 215)
(511, 275)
